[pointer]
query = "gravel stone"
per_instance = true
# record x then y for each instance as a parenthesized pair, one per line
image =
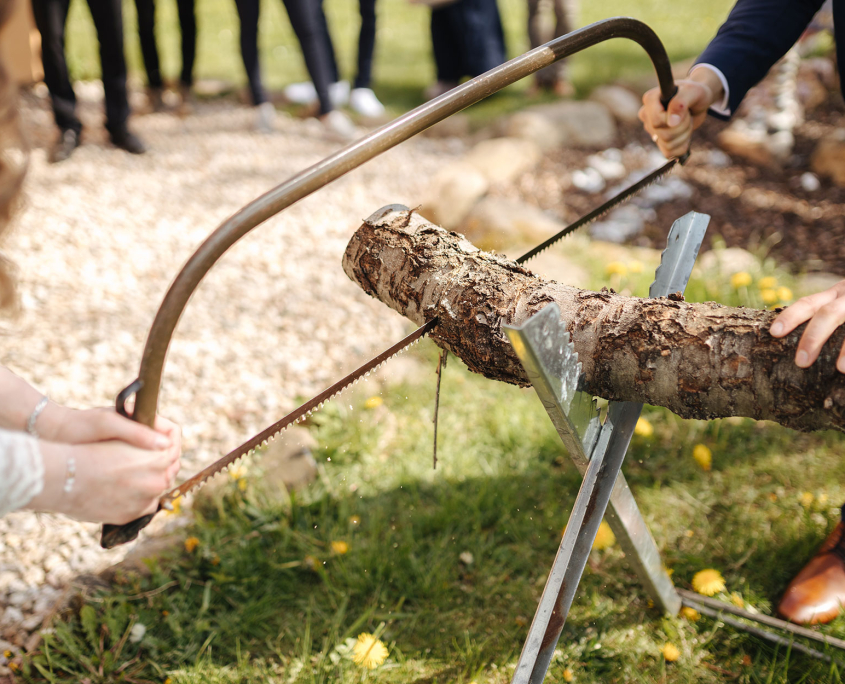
(100, 238)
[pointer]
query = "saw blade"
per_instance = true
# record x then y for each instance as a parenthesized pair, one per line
(614, 201)
(297, 415)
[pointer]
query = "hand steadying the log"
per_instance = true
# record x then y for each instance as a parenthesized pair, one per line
(755, 36)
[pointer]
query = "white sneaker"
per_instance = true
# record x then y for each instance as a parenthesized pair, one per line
(365, 102)
(339, 126)
(305, 93)
(339, 93)
(301, 93)
(265, 117)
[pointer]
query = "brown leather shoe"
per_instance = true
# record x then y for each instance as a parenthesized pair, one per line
(818, 592)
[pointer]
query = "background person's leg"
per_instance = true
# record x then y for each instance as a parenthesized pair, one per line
(50, 18)
(248, 15)
(146, 35)
(188, 27)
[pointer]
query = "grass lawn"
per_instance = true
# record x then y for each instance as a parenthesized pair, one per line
(446, 566)
(403, 62)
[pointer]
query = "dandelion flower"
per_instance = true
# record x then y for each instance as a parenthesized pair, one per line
(784, 294)
(191, 543)
(604, 537)
(520, 620)
(616, 268)
(567, 675)
(690, 614)
(703, 456)
(671, 653)
(822, 499)
(635, 266)
(741, 279)
(340, 547)
(736, 599)
(708, 582)
(643, 428)
(369, 652)
(215, 559)
(238, 472)
(769, 296)
(354, 520)
(767, 283)
(311, 563)
(773, 497)
(806, 499)
(177, 506)
(242, 484)
(168, 681)
(14, 667)
(373, 402)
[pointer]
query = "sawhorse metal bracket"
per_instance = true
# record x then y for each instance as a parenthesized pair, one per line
(598, 449)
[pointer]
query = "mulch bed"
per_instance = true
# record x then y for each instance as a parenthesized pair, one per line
(751, 206)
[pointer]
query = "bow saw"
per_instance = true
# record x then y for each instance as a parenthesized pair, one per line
(146, 386)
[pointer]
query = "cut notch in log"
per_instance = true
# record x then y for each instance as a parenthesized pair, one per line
(698, 360)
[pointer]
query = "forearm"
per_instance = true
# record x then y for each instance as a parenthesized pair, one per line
(708, 78)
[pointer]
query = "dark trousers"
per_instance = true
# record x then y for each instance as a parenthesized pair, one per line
(366, 43)
(556, 72)
(149, 49)
(304, 18)
(467, 39)
(50, 18)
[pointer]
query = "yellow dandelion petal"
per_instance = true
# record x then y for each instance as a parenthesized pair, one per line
(690, 614)
(635, 266)
(806, 499)
(373, 402)
(237, 472)
(567, 675)
(670, 571)
(773, 497)
(215, 559)
(703, 456)
(670, 653)
(767, 283)
(741, 279)
(604, 537)
(168, 681)
(616, 268)
(340, 547)
(369, 652)
(736, 599)
(7, 654)
(708, 582)
(784, 294)
(177, 506)
(822, 499)
(14, 667)
(191, 543)
(643, 428)
(769, 296)
(688, 534)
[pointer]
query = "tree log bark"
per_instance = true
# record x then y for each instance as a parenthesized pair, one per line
(698, 360)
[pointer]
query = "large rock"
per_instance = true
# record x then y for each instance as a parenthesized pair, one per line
(454, 190)
(580, 123)
(621, 102)
(501, 225)
(535, 127)
(829, 157)
(500, 160)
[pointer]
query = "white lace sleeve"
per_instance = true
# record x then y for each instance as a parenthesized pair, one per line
(21, 470)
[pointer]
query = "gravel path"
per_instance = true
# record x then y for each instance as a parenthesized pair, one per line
(98, 242)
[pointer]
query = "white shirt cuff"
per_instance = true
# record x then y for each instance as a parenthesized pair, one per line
(722, 107)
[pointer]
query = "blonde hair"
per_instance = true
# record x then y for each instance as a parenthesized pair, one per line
(13, 163)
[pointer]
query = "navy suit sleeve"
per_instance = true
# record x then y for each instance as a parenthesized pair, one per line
(756, 34)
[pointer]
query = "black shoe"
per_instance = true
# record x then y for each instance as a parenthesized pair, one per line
(63, 147)
(126, 140)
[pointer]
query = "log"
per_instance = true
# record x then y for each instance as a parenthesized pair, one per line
(699, 360)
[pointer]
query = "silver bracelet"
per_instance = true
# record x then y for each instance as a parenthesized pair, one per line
(70, 474)
(39, 407)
